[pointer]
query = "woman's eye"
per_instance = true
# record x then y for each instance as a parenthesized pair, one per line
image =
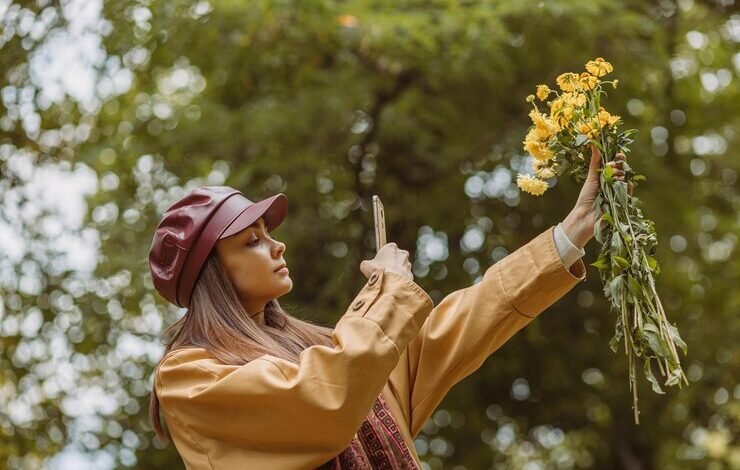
(254, 242)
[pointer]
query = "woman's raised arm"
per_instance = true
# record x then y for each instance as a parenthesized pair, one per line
(470, 324)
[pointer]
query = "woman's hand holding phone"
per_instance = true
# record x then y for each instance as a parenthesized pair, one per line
(392, 259)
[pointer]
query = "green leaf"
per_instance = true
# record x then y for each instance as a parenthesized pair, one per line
(621, 262)
(616, 288)
(633, 286)
(651, 327)
(673, 333)
(653, 264)
(655, 341)
(674, 376)
(597, 232)
(639, 178)
(620, 189)
(614, 342)
(608, 174)
(600, 263)
(617, 244)
(608, 218)
(652, 379)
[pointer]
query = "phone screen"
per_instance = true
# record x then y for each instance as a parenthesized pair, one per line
(379, 215)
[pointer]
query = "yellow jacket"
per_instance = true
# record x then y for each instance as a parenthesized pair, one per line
(273, 414)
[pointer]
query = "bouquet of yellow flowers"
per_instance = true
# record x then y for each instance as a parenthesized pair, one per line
(559, 140)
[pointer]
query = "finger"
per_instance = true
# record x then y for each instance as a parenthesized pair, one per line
(595, 163)
(367, 268)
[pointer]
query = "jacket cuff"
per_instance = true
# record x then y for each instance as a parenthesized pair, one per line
(395, 303)
(568, 251)
(534, 276)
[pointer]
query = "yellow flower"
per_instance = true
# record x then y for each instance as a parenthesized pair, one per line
(531, 185)
(598, 67)
(575, 100)
(545, 169)
(545, 173)
(590, 128)
(536, 147)
(561, 111)
(567, 81)
(606, 119)
(563, 116)
(614, 83)
(588, 81)
(545, 127)
(530, 98)
(595, 127)
(556, 105)
(543, 91)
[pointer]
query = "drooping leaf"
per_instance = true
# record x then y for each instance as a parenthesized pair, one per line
(651, 378)
(674, 377)
(620, 189)
(617, 244)
(616, 287)
(677, 340)
(597, 232)
(614, 342)
(656, 341)
(621, 262)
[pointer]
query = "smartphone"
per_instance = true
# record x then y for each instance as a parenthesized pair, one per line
(379, 215)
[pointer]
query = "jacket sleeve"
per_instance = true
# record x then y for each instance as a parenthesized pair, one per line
(470, 324)
(306, 413)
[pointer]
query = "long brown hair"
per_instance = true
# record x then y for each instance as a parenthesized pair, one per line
(217, 322)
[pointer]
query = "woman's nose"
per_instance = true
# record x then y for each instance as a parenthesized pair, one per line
(280, 248)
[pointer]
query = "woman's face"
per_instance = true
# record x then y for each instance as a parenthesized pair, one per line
(251, 258)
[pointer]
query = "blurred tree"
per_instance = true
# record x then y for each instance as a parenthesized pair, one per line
(330, 102)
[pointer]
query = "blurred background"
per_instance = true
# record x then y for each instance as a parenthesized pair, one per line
(110, 111)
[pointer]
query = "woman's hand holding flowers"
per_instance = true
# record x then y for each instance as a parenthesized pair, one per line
(579, 224)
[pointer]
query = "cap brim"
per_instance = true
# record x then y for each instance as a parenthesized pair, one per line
(273, 210)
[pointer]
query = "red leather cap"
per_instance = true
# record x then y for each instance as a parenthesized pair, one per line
(190, 228)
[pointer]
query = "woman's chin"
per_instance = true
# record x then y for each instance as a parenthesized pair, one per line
(288, 283)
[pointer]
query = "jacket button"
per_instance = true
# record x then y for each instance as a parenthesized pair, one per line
(372, 279)
(358, 304)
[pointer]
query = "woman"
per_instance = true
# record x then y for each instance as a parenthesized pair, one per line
(244, 385)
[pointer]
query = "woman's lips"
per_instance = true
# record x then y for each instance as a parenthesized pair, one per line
(283, 270)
